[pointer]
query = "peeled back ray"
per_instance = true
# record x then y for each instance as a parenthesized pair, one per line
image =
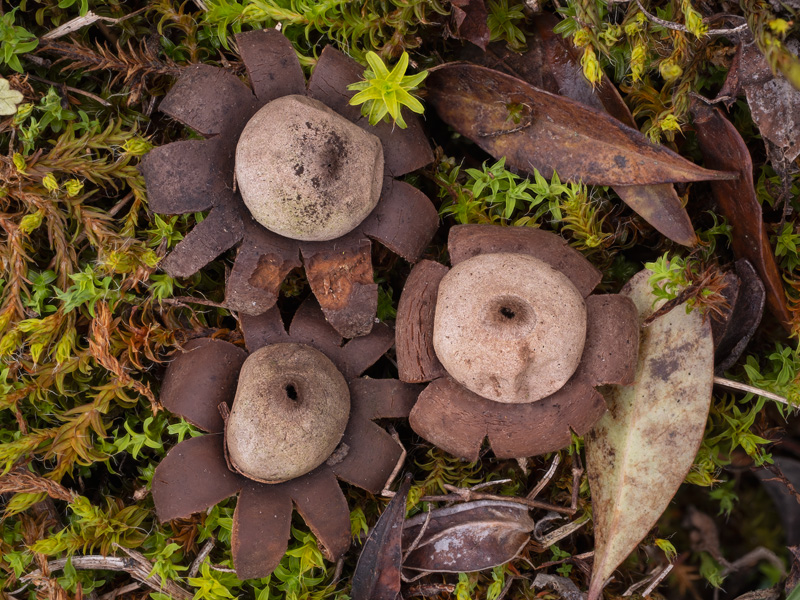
(509, 327)
(290, 412)
(307, 173)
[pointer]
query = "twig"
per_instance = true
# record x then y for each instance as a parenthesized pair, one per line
(220, 569)
(779, 476)
(553, 563)
(202, 555)
(546, 479)
(94, 97)
(466, 495)
(126, 589)
(137, 567)
(84, 21)
(652, 580)
(398, 466)
(750, 389)
(337, 574)
(752, 558)
(183, 300)
(562, 532)
(429, 590)
(678, 27)
(417, 539)
(506, 587)
(657, 580)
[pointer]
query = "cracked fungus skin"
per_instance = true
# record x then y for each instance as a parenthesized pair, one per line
(290, 411)
(509, 327)
(306, 172)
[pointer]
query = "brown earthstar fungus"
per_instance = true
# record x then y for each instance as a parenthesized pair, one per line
(314, 182)
(283, 422)
(512, 341)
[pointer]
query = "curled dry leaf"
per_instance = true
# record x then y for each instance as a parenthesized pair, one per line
(535, 129)
(377, 574)
(552, 64)
(724, 148)
(467, 537)
(774, 102)
(642, 448)
(470, 21)
(733, 331)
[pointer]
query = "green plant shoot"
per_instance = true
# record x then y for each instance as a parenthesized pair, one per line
(384, 93)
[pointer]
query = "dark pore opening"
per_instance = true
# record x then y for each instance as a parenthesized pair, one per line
(291, 392)
(507, 312)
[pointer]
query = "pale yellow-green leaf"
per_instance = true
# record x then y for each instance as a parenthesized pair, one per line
(9, 99)
(641, 450)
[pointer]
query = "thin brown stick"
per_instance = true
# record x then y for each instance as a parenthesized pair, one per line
(678, 27)
(398, 466)
(546, 479)
(468, 495)
(125, 589)
(137, 567)
(68, 88)
(201, 556)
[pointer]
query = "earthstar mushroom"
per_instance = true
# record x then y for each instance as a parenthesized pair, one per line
(278, 399)
(315, 183)
(512, 342)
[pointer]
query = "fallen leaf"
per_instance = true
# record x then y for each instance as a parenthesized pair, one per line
(785, 502)
(467, 537)
(535, 129)
(774, 102)
(377, 574)
(470, 20)
(552, 64)
(9, 99)
(746, 296)
(724, 148)
(640, 451)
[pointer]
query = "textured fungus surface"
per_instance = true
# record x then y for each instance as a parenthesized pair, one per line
(458, 420)
(289, 414)
(195, 475)
(509, 327)
(307, 173)
(198, 175)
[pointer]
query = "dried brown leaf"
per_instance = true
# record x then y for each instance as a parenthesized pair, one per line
(640, 451)
(377, 574)
(552, 64)
(467, 537)
(724, 148)
(535, 129)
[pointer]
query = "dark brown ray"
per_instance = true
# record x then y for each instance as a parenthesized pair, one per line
(404, 221)
(416, 358)
(192, 477)
(466, 241)
(199, 379)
